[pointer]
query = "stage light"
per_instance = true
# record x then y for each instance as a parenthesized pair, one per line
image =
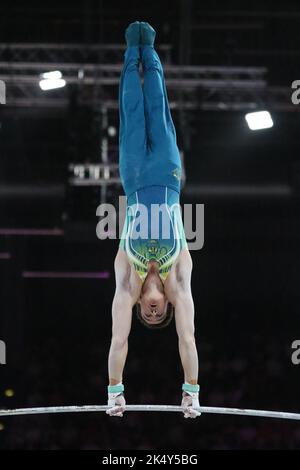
(2, 427)
(52, 84)
(9, 393)
(112, 131)
(259, 120)
(51, 80)
(54, 75)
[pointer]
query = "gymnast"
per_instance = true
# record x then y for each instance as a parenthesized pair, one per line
(153, 271)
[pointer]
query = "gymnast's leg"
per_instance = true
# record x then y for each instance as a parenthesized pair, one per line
(164, 166)
(159, 123)
(132, 131)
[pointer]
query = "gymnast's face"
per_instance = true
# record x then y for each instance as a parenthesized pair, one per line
(153, 301)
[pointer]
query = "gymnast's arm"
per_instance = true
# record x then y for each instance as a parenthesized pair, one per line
(124, 299)
(180, 295)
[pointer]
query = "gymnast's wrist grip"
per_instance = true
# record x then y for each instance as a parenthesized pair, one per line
(115, 389)
(189, 388)
(193, 392)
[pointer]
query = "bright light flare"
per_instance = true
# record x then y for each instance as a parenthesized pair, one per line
(259, 120)
(52, 84)
(55, 75)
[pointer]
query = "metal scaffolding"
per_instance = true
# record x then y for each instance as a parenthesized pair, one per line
(86, 67)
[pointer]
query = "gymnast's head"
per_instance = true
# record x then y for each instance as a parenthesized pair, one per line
(153, 308)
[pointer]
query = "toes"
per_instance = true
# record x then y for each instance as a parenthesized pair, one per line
(133, 25)
(147, 25)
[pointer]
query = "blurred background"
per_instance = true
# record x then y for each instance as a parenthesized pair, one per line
(59, 161)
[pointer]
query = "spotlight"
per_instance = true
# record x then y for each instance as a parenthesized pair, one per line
(111, 130)
(54, 75)
(52, 80)
(259, 120)
(52, 84)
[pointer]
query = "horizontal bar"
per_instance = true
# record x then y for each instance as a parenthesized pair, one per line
(159, 408)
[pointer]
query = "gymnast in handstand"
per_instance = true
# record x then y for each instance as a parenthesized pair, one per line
(153, 271)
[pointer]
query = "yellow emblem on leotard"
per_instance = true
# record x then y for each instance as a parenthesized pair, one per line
(176, 173)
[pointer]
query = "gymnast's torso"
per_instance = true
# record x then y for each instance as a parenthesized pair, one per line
(153, 229)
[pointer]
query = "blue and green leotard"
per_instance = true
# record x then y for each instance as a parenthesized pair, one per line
(153, 229)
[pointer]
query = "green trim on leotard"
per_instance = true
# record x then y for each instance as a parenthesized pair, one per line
(164, 250)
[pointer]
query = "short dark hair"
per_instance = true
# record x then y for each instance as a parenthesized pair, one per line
(166, 321)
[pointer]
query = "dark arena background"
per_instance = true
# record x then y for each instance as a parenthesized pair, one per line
(59, 161)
